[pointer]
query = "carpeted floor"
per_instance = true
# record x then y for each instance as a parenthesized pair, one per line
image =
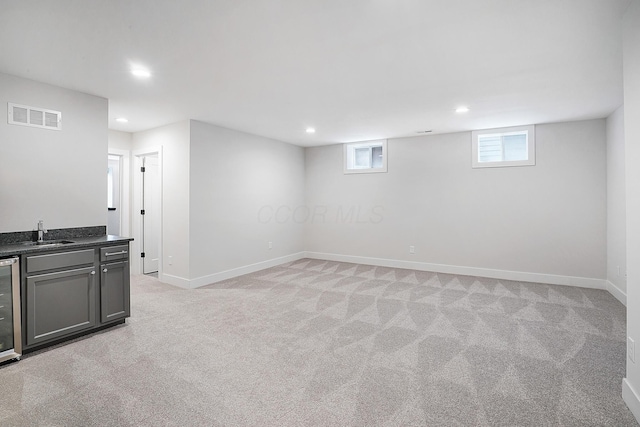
(332, 344)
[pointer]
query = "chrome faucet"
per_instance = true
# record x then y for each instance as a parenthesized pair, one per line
(41, 231)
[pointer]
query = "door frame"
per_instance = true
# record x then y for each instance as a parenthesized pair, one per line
(125, 198)
(136, 223)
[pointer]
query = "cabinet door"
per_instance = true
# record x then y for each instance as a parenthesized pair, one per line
(114, 291)
(60, 304)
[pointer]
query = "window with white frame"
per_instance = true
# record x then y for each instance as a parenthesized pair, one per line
(365, 157)
(514, 146)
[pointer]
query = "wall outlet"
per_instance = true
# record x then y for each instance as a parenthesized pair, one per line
(631, 349)
(170, 259)
(270, 245)
(412, 249)
(618, 271)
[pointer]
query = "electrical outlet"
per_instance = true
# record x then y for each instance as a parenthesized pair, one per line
(618, 271)
(170, 259)
(631, 350)
(412, 249)
(270, 245)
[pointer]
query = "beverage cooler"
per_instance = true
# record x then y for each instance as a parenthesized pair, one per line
(10, 330)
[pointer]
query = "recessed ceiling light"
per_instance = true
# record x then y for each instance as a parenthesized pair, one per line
(122, 120)
(140, 72)
(462, 109)
(311, 130)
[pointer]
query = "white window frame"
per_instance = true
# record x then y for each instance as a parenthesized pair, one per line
(531, 147)
(349, 156)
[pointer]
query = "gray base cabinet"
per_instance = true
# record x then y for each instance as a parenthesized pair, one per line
(114, 291)
(63, 295)
(60, 303)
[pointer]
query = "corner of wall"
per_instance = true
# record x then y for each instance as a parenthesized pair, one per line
(616, 203)
(619, 294)
(247, 269)
(631, 79)
(631, 398)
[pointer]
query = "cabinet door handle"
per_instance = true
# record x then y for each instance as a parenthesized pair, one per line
(115, 253)
(104, 270)
(93, 272)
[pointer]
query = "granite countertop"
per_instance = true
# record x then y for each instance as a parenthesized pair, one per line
(9, 246)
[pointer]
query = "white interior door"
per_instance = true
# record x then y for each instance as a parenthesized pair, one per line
(151, 218)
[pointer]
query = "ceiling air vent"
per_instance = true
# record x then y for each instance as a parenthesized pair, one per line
(34, 117)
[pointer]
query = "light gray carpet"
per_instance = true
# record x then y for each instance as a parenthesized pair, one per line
(332, 344)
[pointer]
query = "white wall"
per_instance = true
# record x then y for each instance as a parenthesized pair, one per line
(57, 176)
(548, 219)
(174, 142)
(120, 140)
(616, 206)
(631, 51)
(238, 182)
(216, 182)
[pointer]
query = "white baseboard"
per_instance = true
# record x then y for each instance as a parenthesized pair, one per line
(551, 279)
(235, 272)
(617, 292)
(583, 282)
(180, 282)
(631, 398)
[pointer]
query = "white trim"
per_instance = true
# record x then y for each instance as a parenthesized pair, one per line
(617, 292)
(531, 147)
(348, 156)
(551, 279)
(631, 398)
(252, 268)
(180, 282)
(228, 274)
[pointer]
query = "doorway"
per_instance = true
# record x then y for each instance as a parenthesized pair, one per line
(118, 192)
(113, 195)
(150, 213)
(147, 212)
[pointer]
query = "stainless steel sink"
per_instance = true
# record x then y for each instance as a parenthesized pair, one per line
(48, 243)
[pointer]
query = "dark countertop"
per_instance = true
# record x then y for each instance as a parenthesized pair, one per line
(11, 249)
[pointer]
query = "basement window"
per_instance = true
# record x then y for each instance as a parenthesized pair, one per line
(365, 157)
(515, 146)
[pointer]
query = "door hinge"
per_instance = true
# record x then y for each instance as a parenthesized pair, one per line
(142, 211)
(142, 169)
(142, 255)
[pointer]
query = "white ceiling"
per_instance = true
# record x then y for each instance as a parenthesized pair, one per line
(353, 69)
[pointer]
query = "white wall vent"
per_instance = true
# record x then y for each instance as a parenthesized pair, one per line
(34, 117)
